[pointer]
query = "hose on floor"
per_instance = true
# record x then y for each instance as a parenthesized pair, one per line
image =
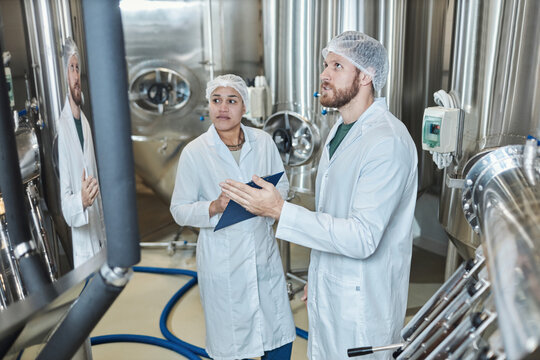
(172, 342)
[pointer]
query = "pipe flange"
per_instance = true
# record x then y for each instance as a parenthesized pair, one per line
(482, 172)
(24, 249)
(116, 276)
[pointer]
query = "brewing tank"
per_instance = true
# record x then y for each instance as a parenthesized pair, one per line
(294, 33)
(495, 75)
(173, 48)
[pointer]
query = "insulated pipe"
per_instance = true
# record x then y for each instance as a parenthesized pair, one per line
(112, 125)
(108, 85)
(7, 340)
(84, 315)
(32, 270)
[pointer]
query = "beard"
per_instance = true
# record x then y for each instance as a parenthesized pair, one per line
(75, 92)
(342, 96)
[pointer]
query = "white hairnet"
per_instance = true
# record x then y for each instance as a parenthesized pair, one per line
(70, 49)
(364, 52)
(232, 81)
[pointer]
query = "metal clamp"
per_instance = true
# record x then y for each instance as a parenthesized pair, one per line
(117, 276)
(454, 183)
(24, 249)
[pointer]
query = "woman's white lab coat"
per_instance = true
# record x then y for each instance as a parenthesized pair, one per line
(242, 286)
(361, 236)
(87, 226)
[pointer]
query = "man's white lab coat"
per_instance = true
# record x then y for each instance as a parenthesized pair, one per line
(361, 236)
(87, 226)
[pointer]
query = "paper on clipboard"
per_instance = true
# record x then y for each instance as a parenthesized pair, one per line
(234, 213)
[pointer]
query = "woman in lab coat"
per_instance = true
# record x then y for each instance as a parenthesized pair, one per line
(242, 286)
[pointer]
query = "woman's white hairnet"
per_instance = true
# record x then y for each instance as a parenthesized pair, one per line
(70, 49)
(232, 81)
(364, 52)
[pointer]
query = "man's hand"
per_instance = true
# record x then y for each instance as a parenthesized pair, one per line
(218, 206)
(263, 202)
(89, 190)
(304, 297)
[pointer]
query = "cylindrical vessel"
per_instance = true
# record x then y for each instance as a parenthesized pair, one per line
(495, 77)
(295, 32)
(47, 24)
(173, 48)
(504, 209)
(426, 64)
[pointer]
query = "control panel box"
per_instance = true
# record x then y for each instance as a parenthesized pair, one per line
(440, 129)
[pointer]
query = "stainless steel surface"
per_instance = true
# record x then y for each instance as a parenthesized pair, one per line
(464, 336)
(444, 295)
(44, 242)
(426, 64)
(295, 32)
(173, 48)
(10, 277)
(47, 24)
(28, 151)
(504, 209)
(447, 320)
(495, 76)
(296, 138)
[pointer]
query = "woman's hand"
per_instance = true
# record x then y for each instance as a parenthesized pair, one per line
(218, 206)
(304, 297)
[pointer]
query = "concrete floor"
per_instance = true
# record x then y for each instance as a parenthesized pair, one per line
(138, 308)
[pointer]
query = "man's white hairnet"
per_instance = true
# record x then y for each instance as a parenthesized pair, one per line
(70, 49)
(364, 52)
(232, 81)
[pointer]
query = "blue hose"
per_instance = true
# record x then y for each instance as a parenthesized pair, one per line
(143, 339)
(172, 343)
(170, 304)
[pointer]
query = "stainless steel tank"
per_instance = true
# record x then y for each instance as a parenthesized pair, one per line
(495, 76)
(47, 25)
(504, 208)
(295, 32)
(173, 48)
(426, 65)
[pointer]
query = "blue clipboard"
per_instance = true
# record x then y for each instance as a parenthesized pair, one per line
(234, 213)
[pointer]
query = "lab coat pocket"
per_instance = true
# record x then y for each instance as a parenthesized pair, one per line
(340, 303)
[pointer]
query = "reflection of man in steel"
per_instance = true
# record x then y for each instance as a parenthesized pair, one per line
(81, 199)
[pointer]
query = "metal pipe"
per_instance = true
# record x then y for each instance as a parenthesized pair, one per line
(108, 86)
(32, 270)
(297, 278)
(210, 29)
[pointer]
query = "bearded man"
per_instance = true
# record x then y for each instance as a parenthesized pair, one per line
(80, 195)
(361, 230)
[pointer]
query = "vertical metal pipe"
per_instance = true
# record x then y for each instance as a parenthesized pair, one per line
(32, 270)
(108, 86)
(211, 64)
